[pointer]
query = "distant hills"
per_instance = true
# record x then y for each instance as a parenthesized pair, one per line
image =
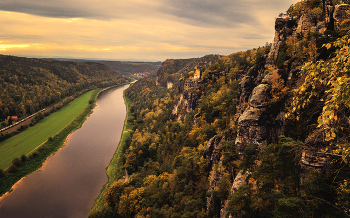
(129, 68)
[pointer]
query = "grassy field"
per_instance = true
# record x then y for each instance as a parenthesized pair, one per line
(115, 169)
(27, 141)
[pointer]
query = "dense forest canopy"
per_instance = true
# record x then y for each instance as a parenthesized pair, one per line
(244, 136)
(259, 133)
(28, 85)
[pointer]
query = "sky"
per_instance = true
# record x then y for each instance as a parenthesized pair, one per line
(152, 30)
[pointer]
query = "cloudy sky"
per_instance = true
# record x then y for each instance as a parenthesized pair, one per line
(135, 29)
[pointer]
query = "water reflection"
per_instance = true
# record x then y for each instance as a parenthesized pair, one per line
(71, 180)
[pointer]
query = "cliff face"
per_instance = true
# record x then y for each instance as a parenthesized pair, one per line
(283, 29)
(258, 120)
(172, 69)
(340, 14)
(213, 157)
(255, 123)
(188, 97)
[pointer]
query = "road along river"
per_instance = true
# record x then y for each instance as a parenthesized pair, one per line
(71, 179)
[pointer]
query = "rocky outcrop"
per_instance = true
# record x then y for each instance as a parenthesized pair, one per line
(331, 19)
(328, 10)
(252, 124)
(282, 125)
(340, 14)
(171, 67)
(251, 78)
(283, 29)
(213, 156)
(188, 97)
(213, 151)
(306, 21)
(255, 123)
(312, 155)
(240, 180)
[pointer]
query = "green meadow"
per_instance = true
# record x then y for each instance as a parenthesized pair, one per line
(33, 137)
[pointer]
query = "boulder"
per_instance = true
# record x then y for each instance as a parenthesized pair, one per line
(260, 95)
(340, 14)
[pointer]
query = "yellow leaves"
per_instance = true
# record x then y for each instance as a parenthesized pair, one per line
(333, 135)
(328, 77)
(278, 88)
(153, 147)
(331, 116)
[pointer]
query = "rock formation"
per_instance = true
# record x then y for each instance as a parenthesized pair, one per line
(188, 97)
(252, 124)
(213, 156)
(283, 29)
(306, 21)
(340, 14)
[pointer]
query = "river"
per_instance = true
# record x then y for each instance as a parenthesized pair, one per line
(72, 178)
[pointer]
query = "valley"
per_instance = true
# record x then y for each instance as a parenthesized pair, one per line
(263, 132)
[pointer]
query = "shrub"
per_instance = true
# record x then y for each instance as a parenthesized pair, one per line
(12, 169)
(2, 174)
(50, 139)
(16, 161)
(33, 155)
(23, 158)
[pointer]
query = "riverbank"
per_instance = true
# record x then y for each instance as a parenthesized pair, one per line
(37, 159)
(115, 170)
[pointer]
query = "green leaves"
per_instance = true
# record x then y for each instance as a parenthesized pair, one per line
(329, 77)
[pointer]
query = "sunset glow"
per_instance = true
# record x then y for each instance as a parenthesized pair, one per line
(149, 32)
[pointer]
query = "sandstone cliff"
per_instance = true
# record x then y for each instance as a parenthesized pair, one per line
(255, 122)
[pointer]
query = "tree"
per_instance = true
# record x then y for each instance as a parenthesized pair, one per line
(332, 78)
(12, 169)
(131, 162)
(250, 156)
(23, 158)
(16, 161)
(113, 193)
(2, 174)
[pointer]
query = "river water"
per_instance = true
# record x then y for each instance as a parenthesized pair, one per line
(71, 179)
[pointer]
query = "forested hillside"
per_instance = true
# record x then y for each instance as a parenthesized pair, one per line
(172, 68)
(128, 68)
(28, 85)
(260, 133)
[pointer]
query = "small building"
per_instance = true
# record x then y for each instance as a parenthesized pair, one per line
(14, 118)
(197, 73)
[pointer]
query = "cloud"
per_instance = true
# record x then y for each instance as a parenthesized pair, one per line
(153, 29)
(204, 12)
(93, 9)
(42, 8)
(210, 13)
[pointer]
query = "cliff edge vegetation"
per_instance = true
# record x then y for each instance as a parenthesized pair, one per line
(259, 133)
